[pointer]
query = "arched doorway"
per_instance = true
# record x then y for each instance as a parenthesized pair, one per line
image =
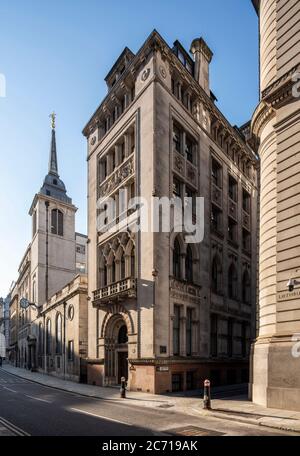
(116, 350)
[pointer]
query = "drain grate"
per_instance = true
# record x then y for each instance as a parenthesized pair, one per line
(194, 431)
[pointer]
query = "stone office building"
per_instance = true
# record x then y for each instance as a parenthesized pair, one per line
(276, 129)
(163, 313)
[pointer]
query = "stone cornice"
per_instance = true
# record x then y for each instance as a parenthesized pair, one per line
(274, 97)
(153, 44)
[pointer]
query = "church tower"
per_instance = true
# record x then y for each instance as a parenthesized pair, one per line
(53, 233)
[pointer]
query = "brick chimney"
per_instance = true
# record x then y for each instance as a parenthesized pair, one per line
(202, 58)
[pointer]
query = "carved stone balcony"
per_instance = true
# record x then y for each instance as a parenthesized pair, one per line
(184, 291)
(117, 291)
(216, 195)
(185, 168)
(119, 175)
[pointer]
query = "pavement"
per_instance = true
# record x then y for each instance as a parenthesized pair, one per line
(228, 403)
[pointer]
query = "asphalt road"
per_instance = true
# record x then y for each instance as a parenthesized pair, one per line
(37, 410)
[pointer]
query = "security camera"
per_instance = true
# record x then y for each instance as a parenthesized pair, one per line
(291, 284)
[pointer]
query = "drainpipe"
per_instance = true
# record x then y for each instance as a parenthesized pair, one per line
(47, 251)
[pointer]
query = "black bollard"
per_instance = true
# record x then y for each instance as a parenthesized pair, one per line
(206, 397)
(123, 387)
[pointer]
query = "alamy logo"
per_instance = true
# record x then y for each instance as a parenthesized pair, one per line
(163, 215)
(296, 86)
(2, 86)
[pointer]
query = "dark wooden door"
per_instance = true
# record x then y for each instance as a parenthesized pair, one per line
(122, 366)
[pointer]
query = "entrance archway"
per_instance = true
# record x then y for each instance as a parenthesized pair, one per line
(116, 350)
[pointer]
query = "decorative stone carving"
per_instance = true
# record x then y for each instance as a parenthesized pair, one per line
(163, 71)
(179, 163)
(121, 173)
(145, 74)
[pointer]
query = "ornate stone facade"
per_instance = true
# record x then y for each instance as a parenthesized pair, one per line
(157, 312)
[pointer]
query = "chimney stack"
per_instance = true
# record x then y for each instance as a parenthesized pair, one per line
(202, 58)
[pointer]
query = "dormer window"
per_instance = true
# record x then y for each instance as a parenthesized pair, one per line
(54, 181)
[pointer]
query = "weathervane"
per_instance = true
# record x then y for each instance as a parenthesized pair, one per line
(53, 117)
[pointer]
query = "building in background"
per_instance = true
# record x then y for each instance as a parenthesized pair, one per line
(4, 320)
(276, 128)
(163, 313)
(53, 265)
(81, 253)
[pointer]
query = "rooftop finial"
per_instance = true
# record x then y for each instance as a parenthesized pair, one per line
(53, 117)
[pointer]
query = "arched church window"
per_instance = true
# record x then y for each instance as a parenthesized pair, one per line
(58, 334)
(57, 222)
(48, 337)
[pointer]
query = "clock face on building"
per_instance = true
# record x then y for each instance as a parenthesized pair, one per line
(71, 312)
(24, 303)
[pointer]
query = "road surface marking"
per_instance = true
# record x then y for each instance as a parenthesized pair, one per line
(38, 399)
(13, 428)
(8, 389)
(100, 416)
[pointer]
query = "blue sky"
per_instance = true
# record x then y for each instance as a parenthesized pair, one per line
(54, 56)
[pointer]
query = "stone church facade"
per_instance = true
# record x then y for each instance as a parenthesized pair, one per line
(50, 335)
(163, 313)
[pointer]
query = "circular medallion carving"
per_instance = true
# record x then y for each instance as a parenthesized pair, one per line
(163, 71)
(145, 74)
(93, 140)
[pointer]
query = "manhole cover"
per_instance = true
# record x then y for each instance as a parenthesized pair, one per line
(193, 430)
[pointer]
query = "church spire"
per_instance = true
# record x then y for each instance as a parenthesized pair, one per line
(53, 167)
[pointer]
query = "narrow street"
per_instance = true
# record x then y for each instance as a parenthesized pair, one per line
(32, 409)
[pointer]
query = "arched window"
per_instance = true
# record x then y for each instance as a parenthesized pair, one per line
(113, 271)
(58, 334)
(123, 336)
(232, 282)
(246, 289)
(132, 263)
(216, 275)
(57, 222)
(41, 339)
(105, 280)
(176, 260)
(123, 269)
(48, 337)
(189, 264)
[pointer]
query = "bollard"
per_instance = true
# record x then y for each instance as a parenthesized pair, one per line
(123, 387)
(206, 397)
